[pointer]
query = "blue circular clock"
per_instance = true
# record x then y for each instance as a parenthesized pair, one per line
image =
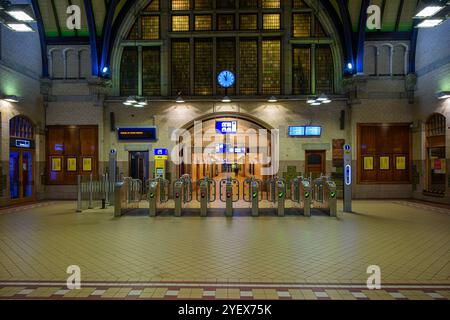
(226, 79)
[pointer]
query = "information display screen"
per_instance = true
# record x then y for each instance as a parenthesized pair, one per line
(137, 134)
(305, 131)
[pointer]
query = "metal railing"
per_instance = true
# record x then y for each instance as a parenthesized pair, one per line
(94, 193)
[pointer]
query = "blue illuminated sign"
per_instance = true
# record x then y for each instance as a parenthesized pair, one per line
(348, 175)
(23, 143)
(161, 152)
(305, 131)
(226, 127)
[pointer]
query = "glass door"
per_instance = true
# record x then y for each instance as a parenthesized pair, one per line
(21, 177)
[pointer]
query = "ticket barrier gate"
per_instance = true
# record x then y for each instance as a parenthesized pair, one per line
(182, 193)
(324, 195)
(301, 194)
(229, 193)
(277, 194)
(206, 193)
(157, 194)
(253, 194)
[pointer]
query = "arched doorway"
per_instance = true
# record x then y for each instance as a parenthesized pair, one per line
(21, 159)
(242, 150)
(435, 144)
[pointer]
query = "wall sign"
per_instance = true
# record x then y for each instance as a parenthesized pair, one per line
(226, 127)
(304, 131)
(224, 148)
(368, 163)
(400, 163)
(161, 152)
(21, 143)
(71, 164)
(384, 163)
(87, 164)
(56, 164)
(137, 134)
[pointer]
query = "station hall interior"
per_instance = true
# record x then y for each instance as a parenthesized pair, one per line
(176, 148)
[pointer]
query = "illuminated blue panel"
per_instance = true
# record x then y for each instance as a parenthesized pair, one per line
(161, 152)
(226, 127)
(298, 131)
(220, 148)
(313, 131)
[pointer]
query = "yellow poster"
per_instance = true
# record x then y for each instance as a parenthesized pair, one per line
(384, 163)
(87, 164)
(71, 164)
(368, 163)
(56, 164)
(400, 163)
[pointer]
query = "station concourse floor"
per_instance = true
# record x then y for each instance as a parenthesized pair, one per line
(266, 257)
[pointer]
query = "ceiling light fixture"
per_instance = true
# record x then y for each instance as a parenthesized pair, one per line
(443, 95)
(323, 98)
(226, 99)
(430, 23)
(21, 12)
(11, 98)
(429, 9)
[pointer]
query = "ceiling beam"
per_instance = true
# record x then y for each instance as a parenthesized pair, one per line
(347, 26)
(41, 30)
(107, 28)
(92, 37)
(361, 36)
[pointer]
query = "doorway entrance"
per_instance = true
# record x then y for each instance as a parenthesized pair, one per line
(21, 160)
(315, 163)
(139, 165)
(21, 173)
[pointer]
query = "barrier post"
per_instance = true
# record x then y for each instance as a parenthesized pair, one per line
(91, 191)
(79, 209)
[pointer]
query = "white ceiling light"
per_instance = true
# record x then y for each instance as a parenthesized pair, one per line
(226, 99)
(443, 95)
(19, 27)
(429, 11)
(11, 98)
(430, 23)
(272, 99)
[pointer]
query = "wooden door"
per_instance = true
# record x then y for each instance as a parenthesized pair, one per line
(315, 163)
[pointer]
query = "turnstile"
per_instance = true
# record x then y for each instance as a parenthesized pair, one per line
(252, 194)
(157, 194)
(301, 194)
(206, 193)
(277, 194)
(229, 193)
(324, 195)
(182, 193)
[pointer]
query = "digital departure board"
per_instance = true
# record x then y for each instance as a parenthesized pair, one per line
(137, 134)
(305, 131)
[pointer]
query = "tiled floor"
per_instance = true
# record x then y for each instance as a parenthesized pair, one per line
(226, 258)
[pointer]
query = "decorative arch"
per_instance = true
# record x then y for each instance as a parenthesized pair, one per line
(325, 13)
(22, 127)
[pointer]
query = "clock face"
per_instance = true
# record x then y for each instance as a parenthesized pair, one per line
(226, 79)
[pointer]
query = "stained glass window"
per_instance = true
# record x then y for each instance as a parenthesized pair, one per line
(271, 67)
(129, 71)
(150, 27)
(203, 4)
(151, 71)
(301, 70)
(248, 21)
(299, 4)
(248, 76)
(180, 23)
(225, 4)
(301, 25)
(153, 6)
(203, 67)
(225, 22)
(324, 70)
(271, 4)
(180, 5)
(203, 22)
(180, 67)
(134, 32)
(248, 4)
(271, 21)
